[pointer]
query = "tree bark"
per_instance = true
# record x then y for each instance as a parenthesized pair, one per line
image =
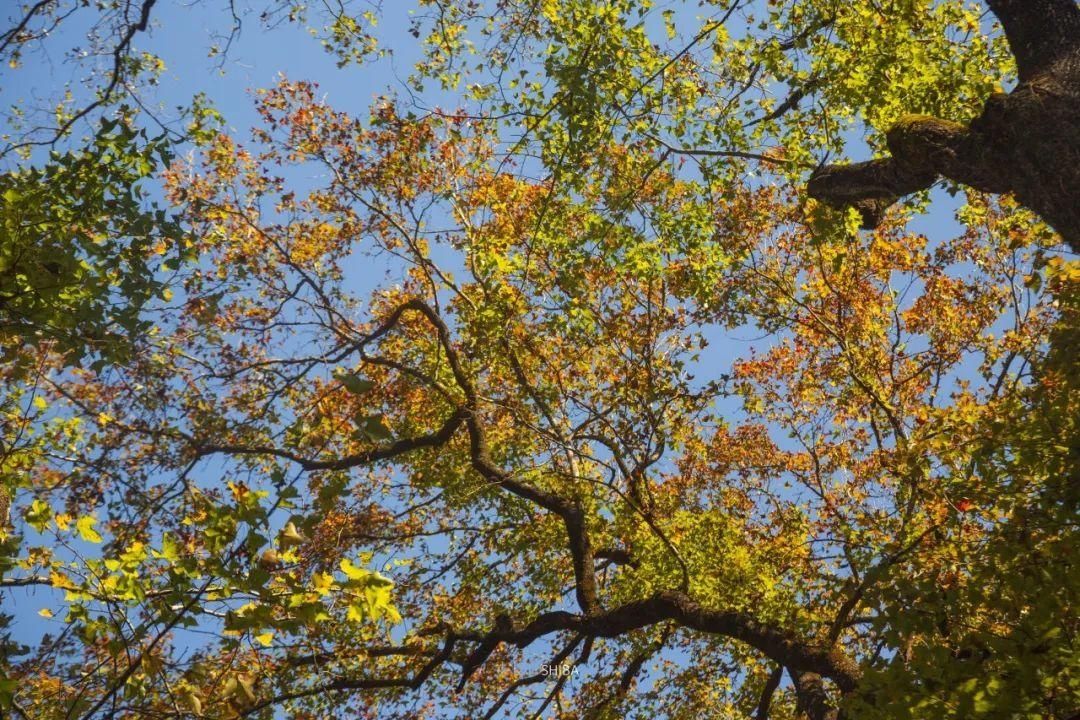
(811, 698)
(1026, 142)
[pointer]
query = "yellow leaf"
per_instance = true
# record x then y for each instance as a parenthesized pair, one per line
(45, 613)
(322, 583)
(265, 639)
(353, 572)
(356, 612)
(61, 581)
(63, 520)
(193, 701)
(85, 526)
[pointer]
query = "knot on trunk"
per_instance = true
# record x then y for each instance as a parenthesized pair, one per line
(924, 144)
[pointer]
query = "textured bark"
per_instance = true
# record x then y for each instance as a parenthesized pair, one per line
(812, 700)
(1026, 142)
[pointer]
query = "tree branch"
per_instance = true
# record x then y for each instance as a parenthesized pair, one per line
(807, 662)
(398, 447)
(780, 646)
(570, 512)
(812, 698)
(361, 683)
(767, 692)
(923, 149)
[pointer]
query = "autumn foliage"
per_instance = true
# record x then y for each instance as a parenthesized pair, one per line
(528, 408)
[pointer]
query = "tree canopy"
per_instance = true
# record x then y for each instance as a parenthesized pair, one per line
(588, 373)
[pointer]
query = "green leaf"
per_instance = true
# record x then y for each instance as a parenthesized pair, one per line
(354, 383)
(374, 426)
(85, 526)
(38, 515)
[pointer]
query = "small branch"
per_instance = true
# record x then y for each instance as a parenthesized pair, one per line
(12, 35)
(767, 692)
(23, 582)
(705, 152)
(399, 447)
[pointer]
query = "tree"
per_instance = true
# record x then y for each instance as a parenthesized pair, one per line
(1024, 142)
(513, 478)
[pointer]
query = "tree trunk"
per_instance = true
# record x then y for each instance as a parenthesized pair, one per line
(1026, 142)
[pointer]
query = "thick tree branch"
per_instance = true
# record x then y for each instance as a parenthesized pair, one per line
(1026, 142)
(615, 556)
(923, 148)
(778, 645)
(806, 662)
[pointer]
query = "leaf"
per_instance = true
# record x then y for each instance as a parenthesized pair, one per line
(38, 515)
(265, 639)
(45, 613)
(374, 427)
(357, 612)
(322, 583)
(193, 701)
(353, 383)
(290, 536)
(352, 571)
(85, 528)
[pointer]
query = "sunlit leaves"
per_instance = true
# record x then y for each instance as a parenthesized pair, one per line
(85, 527)
(80, 246)
(387, 321)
